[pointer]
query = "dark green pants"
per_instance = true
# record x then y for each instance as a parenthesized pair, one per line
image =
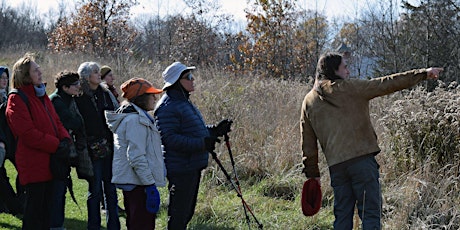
(357, 184)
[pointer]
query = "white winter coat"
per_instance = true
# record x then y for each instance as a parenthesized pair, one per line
(138, 157)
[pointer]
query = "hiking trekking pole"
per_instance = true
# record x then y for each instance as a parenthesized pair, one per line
(227, 143)
(214, 156)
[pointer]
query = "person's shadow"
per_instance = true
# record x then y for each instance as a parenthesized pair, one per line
(75, 224)
(70, 224)
(9, 226)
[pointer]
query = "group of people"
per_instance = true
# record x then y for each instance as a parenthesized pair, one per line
(146, 142)
(135, 145)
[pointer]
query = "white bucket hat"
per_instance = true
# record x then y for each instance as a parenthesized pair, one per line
(173, 72)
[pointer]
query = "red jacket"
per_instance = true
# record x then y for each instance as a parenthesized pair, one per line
(38, 135)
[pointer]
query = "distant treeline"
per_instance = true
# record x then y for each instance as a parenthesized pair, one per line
(280, 39)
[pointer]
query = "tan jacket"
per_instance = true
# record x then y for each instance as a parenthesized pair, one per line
(337, 115)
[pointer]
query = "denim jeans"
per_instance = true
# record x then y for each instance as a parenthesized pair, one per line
(57, 209)
(101, 185)
(357, 184)
(183, 192)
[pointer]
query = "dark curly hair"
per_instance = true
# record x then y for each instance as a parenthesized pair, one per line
(65, 78)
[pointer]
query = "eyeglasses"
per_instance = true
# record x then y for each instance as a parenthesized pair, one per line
(77, 83)
(188, 77)
(3, 78)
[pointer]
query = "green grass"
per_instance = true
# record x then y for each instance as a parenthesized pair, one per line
(8, 221)
(218, 207)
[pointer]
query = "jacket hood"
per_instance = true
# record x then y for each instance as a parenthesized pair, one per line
(5, 69)
(114, 118)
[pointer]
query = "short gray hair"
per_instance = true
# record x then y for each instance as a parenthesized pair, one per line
(86, 68)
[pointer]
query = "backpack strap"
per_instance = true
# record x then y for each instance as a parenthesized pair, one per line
(11, 140)
(23, 97)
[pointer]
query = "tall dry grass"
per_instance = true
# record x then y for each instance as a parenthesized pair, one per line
(420, 139)
(418, 133)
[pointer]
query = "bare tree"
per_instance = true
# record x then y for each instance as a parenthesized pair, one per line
(421, 36)
(435, 23)
(21, 26)
(198, 37)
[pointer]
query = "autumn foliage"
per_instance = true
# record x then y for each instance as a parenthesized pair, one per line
(280, 41)
(99, 27)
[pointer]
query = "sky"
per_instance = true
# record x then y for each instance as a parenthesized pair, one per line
(332, 8)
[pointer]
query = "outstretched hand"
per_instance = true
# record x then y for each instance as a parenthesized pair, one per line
(433, 72)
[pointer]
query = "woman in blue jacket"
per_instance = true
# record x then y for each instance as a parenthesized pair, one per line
(186, 140)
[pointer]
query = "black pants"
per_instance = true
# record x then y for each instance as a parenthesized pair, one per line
(13, 202)
(36, 213)
(183, 192)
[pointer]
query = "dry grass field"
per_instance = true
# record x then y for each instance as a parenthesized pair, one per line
(418, 133)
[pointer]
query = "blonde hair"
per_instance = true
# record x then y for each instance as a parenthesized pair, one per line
(21, 71)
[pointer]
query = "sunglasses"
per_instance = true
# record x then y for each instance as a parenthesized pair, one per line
(188, 77)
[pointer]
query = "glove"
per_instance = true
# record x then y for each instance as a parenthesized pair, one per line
(210, 143)
(63, 150)
(222, 128)
(2, 156)
(153, 199)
